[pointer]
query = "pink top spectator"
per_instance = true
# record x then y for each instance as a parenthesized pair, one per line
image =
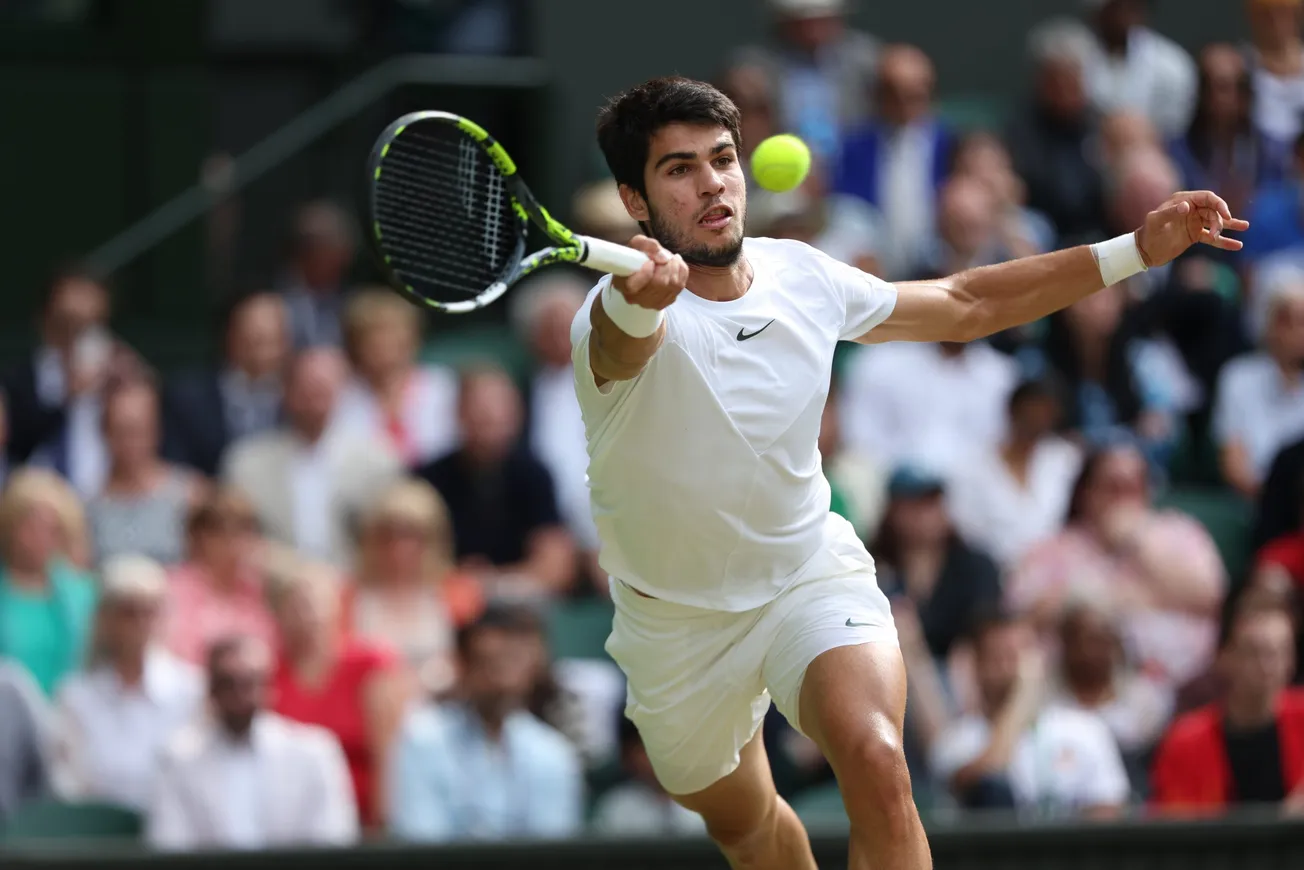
(198, 613)
(1170, 641)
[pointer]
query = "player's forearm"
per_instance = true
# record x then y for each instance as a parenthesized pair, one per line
(614, 354)
(1011, 294)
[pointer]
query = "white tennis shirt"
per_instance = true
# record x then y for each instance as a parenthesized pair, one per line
(704, 475)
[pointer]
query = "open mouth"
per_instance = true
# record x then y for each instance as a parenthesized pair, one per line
(716, 217)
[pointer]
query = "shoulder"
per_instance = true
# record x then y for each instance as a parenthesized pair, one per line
(1169, 51)
(581, 324)
(306, 739)
(187, 744)
(366, 657)
(1292, 706)
(1069, 723)
(1245, 370)
(438, 470)
(427, 727)
(1192, 731)
(257, 448)
(76, 584)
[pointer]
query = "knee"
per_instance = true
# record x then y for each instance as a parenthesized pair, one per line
(738, 834)
(873, 776)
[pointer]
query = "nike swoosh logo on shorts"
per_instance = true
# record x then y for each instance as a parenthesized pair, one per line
(851, 624)
(743, 334)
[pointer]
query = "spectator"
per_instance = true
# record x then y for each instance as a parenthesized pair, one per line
(308, 480)
(564, 694)
(407, 591)
(45, 603)
(820, 72)
(24, 776)
(1222, 150)
(1259, 407)
(322, 247)
(1097, 675)
(144, 503)
(995, 758)
(543, 312)
(391, 398)
(352, 688)
(639, 806)
(931, 404)
(1022, 231)
(1159, 567)
(1141, 181)
(54, 397)
(858, 484)
(1277, 216)
(1014, 497)
(1249, 748)
(218, 591)
(485, 769)
(506, 524)
(968, 235)
(599, 212)
(1123, 134)
(1134, 68)
(208, 409)
(1049, 141)
(920, 557)
(898, 161)
(245, 778)
(1278, 68)
(115, 716)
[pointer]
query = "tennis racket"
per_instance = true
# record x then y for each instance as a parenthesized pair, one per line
(450, 216)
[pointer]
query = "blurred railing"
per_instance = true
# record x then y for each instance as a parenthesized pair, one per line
(303, 131)
(1262, 844)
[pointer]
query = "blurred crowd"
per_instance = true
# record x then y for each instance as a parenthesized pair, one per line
(307, 594)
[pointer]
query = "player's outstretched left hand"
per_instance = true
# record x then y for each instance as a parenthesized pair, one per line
(1187, 218)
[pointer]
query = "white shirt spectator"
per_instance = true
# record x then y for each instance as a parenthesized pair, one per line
(1257, 406)
(86, 462)
(633, 809)
(557, 438)
(907, 198)
(1067, 762)
(108, 735)
(310, 490)
(1005, 517)
(1136, 715)
(909, 402)
(451, 782)
(428, 415)
(1155, 77)
(1278, 105)
(287, 786)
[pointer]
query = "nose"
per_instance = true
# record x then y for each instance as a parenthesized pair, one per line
(712, 182)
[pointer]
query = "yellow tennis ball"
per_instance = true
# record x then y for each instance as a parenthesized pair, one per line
(780, 163)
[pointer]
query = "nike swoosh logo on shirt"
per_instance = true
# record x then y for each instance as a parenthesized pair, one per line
(851, 624)
(743, 334)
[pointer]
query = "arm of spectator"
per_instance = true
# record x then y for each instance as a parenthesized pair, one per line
(1234, 463)
(420, 806)
(927, 697)
(550, 553)
(385, 697)
(34, 774)
(1229, 417)
(335, 821)
(167, 825)
(562, 814)
(67, 765)
(1010, 724)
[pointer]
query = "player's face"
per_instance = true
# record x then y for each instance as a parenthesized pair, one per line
(696, 194)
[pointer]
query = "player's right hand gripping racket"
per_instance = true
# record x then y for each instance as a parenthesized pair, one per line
(450, 216)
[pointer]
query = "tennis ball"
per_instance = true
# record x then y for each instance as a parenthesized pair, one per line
(780, 163)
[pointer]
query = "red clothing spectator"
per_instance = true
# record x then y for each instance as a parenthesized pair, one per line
(338, 703)
(199, 610)
(1193, 770)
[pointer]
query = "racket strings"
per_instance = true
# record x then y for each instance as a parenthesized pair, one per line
(445, 215)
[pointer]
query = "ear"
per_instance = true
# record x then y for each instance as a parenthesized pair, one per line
(635, 204)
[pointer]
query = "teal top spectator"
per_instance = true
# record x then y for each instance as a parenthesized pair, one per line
(46, 630)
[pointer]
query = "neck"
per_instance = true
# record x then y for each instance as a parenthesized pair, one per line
(253, 374)
(1245, 712)
(1092, 692)
(1290, 371)
(492, 723)
(133, 478)
(309, 435)
(721, 284)
(1093, 351)
(920, 566)
(1115, 43)
(27, 577)
(311, 657)
(130, 670)
(1283, 55)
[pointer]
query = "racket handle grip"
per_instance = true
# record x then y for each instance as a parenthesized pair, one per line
(607, 256)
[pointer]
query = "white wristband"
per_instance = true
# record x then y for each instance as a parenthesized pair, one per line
(1118, 259)
(633, 320)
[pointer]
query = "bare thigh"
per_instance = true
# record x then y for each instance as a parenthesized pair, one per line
(738, 803)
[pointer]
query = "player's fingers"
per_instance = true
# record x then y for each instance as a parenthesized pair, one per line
(1211, 200)
(655, 252)
(639, 281)
(1219, 241)
(1236, 224)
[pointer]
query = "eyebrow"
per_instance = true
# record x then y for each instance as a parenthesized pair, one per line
(689, 155)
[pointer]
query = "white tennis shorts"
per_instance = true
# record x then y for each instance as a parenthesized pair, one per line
(700, 681)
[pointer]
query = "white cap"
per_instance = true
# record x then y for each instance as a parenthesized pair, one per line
(808, 8)
(128, 576)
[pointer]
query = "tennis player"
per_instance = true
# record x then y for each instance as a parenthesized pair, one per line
(702, 379)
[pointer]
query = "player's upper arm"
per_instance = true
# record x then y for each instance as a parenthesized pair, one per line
(865, 300)
(928, 311)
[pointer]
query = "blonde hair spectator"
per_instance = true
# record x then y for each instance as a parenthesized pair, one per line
(407, 591)
(28, 487)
